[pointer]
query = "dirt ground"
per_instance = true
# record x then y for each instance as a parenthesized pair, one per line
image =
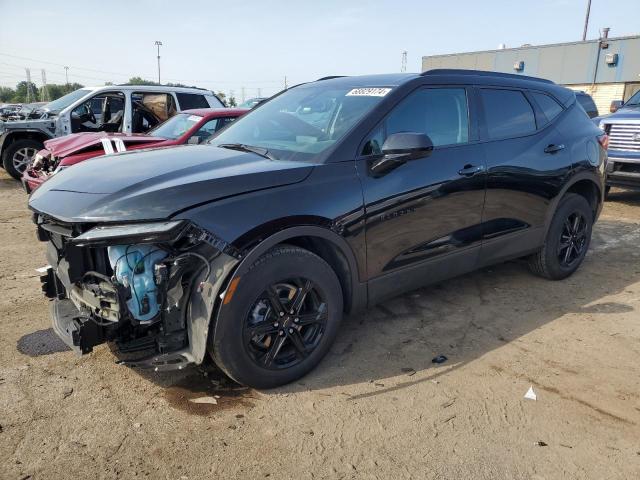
(376, 407)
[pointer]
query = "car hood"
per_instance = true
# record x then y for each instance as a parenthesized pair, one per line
(625, 113)
(29, 123)
(78, 142)
(157, 184)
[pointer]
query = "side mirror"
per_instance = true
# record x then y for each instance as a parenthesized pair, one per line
(399, 148)
(615, 106)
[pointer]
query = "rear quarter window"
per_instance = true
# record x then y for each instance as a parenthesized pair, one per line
(188, 101)
(548, 105)
(507, 113)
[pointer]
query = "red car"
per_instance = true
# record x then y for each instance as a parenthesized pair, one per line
(188, 127)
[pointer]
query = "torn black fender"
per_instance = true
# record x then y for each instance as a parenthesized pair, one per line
(202, 305)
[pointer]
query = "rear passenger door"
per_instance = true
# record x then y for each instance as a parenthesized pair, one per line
(527, 163)
(423, 218)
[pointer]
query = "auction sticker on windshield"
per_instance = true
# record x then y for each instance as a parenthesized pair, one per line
(368, 92)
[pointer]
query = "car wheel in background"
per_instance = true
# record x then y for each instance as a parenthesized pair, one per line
(19, 155)
(281, 320)
(567, 240)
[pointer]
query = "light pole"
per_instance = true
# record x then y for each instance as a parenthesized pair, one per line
(66, 74)
(586, 21)
(158, 43)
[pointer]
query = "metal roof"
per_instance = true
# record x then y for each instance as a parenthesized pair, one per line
(564, 63)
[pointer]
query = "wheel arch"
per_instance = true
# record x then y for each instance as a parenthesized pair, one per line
(325, 243)
(28, 134)
(585, 185)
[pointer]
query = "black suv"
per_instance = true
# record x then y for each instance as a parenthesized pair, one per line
(323, 200)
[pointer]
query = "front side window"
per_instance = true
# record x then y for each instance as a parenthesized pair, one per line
(507, 113)
(205, 131)
(303, 121)
(440, 113)
(103, 112)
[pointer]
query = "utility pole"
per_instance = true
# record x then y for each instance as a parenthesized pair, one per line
(45, 90)
(285, 82)
(586, 21)
(158, 44)
(66, 74)
(242, 94)
(28, 84)
(259, 93)
(403, 68)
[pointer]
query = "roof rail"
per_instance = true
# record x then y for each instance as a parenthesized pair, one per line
(330, 77)
(483, 73)
(164, 86)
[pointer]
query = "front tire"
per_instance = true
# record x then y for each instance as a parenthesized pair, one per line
(19, 155)
(567, 240)
(281, 320)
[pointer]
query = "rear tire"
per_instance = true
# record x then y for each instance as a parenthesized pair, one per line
(567, 240)
(281, 320)
(19, 155)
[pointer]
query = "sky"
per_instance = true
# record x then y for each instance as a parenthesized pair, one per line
(252, 45)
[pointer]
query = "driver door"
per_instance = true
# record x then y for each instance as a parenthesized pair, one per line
(423, 219)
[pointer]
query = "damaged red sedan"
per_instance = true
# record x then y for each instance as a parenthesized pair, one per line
(189, 127)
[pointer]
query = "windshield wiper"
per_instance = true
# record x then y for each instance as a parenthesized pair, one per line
(263, 152)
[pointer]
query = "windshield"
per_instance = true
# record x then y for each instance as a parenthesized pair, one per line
(302, 122)
(635, 99)
(68, 99)
(175, 127)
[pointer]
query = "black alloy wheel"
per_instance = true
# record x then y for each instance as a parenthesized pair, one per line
(573, 239)
(567, 239)
(280, 320)
(286, 323)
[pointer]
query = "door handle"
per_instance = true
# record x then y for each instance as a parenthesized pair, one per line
(470, 170)
(553, 148)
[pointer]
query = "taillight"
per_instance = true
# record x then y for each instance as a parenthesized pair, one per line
(604, 141)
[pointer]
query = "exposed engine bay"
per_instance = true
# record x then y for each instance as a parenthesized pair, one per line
(149, 288)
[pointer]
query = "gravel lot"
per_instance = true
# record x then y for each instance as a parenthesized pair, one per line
(377, 407)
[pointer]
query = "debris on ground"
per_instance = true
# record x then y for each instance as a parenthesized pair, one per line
(439, 359)
(540, 443)
(530, 395)
(207, 400)
(67, 392)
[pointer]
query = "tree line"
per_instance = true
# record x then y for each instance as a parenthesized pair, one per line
(28, 91)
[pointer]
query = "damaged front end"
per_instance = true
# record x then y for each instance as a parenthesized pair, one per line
(150, 288)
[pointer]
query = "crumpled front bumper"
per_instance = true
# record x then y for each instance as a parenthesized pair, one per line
(82, 334)
(32, 179)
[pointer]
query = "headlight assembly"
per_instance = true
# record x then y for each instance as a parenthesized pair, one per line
(135, 233)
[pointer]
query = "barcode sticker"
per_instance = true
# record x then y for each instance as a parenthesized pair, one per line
(368, 92)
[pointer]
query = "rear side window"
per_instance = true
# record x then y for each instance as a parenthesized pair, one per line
(188, 101)
(508, 113)
(549, 106)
